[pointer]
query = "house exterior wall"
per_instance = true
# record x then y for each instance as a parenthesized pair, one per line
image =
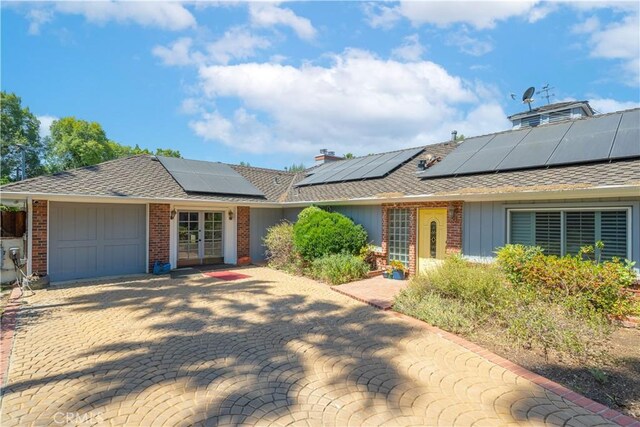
(39, 230)
(485, 223)
(369, 216)
(243, 234)
(454, 229)
(291, 214)
(261, 220)
(159, 233)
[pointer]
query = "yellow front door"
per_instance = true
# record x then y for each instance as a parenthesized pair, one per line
(432, 236)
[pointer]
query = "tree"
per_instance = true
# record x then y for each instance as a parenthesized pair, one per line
(348, 156)
(18, 126)
(75, 143)
(245, 164)
(295, 168)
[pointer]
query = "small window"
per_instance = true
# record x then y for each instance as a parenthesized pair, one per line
(564, 232)
(398, 243)
(433, 239)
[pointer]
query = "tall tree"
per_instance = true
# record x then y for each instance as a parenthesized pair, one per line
(18, 126)
(75, 143)
(295, 168)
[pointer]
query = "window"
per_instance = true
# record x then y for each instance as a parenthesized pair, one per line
(399, 235)
(561, 232)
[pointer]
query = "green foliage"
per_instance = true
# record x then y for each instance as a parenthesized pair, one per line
(318, 233)
(470, 298)
(368, 255)
(397, 265)
(281, 253)
(349, 156)
(336, 269)
(245, 164)
(571, 280)
(18, 126)
(299, 167)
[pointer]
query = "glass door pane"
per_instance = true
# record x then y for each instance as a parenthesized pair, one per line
(188, 238)
(212, 235)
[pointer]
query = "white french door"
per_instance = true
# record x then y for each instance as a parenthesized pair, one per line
(200, 238)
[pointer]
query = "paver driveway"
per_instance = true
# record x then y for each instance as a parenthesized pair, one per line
(268, 349)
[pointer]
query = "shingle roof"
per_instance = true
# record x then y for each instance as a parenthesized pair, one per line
(145, 177)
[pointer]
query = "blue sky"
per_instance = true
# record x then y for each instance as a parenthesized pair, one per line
(272, 83)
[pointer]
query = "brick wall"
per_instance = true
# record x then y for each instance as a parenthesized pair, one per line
(159, 233)
(243, 234)
(39, 236)
(454, 229)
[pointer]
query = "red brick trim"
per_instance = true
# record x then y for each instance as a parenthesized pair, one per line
(159, 233)
(39, 236)
(243, 235)
(562, 391)
(7, 328)
(454, 229)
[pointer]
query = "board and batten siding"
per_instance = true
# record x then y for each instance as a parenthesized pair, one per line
(369, 216)
(485, 223)
(260, 220)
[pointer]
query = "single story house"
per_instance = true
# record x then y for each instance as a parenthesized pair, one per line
(564, 179)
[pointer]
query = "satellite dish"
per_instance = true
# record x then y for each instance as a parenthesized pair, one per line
(527, 96)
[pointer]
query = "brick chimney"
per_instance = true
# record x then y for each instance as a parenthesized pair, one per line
(326, 156)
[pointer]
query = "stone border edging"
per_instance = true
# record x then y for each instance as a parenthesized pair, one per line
(7, 328)
(576, 398)
(369, 302)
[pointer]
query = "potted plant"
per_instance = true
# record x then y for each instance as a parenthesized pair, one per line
(398, 270)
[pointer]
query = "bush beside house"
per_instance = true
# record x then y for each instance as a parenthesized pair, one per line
(324, 245)
(561, 304)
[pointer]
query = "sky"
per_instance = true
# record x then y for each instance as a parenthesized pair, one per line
(273, 83)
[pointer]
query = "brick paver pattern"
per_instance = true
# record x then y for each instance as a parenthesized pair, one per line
(267, 350)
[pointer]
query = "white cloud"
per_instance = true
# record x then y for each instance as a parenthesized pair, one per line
(607, 105)
(410, 50)
(470, 45)
(165, 15)
(270, 15)
(616, 41)
(45, 125)
(478, 14)
(177, 53)
(38, 17)
(360, 103)
(237, 43)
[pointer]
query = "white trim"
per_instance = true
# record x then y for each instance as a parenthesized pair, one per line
(147, 238)
(48, 237)
(29, 236)
(626, 208)
(497, 195)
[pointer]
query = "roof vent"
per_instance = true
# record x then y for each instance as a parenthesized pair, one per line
(422, 164)
(454, 135)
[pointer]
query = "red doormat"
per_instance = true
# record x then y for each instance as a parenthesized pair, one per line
(226, 275)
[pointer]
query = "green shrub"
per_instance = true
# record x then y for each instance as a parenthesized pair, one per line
(281, 253)
(318, 233)
(475, 298)
(339, 268)
(571, 279)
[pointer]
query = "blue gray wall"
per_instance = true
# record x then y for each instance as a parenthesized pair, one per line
(259, 222)
(484, 225)
(370, 217)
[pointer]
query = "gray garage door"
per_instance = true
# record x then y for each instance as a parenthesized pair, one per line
(93, 240)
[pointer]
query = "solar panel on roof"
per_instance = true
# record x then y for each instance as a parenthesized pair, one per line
(493, 152)
(627, 141)
(463, 152)
(367, 167)
(536, 148)
(587, 140)
(208, 177)
(596, 138)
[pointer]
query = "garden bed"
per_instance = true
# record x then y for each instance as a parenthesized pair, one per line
(549, 314)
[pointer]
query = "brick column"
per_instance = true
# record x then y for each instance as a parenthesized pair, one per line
(381, 257)
(39, 244)
(159, 233)
(413, 244)
(454, 228)
(243, 215)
